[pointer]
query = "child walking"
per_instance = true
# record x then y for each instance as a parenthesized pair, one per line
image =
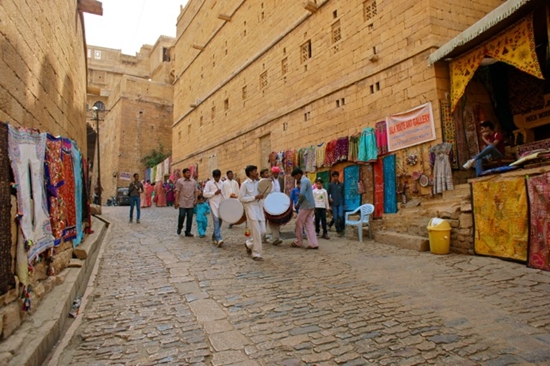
(320, 196)
(202, 210)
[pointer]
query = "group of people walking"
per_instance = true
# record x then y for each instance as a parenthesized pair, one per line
(310, 201)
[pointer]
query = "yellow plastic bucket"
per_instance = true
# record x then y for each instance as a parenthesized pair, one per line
(439, 232)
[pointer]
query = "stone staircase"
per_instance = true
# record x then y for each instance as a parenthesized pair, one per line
(408, 227)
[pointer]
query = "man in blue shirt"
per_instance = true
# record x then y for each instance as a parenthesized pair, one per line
(336, 198)
(306, 213)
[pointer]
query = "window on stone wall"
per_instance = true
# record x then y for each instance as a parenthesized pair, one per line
(226, 104)
(213, 112)
(284, 65)
(369, 9)
(189, 130)
(89, 53)
(97, 54)
(306, 51)
(263, 80)
(165, 54)
(244, 93)
(336, 32)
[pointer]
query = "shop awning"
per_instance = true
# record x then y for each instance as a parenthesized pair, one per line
(488, 26)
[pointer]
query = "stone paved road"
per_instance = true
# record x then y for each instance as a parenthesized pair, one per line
(164, 299)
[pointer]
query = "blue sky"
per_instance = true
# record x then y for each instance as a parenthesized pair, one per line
(128, 24)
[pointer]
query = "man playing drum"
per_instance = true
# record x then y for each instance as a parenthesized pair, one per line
(277, 186)
(213, 191)
(251, 199)
(230, 188)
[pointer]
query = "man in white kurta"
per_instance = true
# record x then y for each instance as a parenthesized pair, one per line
(230, 188)
(213, 191)
(251, 199)
(277, 186)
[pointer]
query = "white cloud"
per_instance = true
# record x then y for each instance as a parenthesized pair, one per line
(129, 24)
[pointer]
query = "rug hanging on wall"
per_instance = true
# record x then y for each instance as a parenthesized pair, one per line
(501, 218)
(538, 188)
(352, 198)
(378, 171)
(6, 270)
(390, 185)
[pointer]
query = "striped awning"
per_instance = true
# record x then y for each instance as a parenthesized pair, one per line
(488, 26)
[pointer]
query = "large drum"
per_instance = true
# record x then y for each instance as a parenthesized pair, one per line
(232, 211)
(277, 208)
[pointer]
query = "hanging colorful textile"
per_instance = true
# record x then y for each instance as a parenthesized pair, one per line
(288, 163)
(54, 182)
(290, 183)
(367, 177)
(368, 152)
(538, 188)
(86, 194)
(272, 159)
(353, 148)
(67, 190)
(352, 199)
(330, 153)
(381, 134)
(78, 188)
(448, 129)
(501, 218)
(6, 259)
(27, 150)
(342, 149)
(325, 176)
(311, 161)
(514, 46)
(390, 185)
(441, 156)
(378, 171)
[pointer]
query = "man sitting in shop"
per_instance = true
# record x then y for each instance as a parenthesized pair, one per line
(493, 150)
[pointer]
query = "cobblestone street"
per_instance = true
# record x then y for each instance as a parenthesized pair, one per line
(161, 298)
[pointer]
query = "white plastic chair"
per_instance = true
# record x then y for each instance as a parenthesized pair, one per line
(364, 214)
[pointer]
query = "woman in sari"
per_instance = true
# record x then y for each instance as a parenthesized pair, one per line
(143, 195)
(149, 189)
(160, 194)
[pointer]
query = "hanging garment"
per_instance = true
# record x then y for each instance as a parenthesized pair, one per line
(330, 153)
(86, 194)
(353, 148)
(78, 188)
(381, 138)
(26, 151)
(538, 188)
(378, 168)
(320, 155)
(311, 159)
(390, 185)
(68, 190)
(440, 159)
(54, 182)
(368, 151)
(342, 149)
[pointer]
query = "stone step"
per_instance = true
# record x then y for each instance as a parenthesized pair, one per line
(460, 190)
(442, 203)
(406, 241)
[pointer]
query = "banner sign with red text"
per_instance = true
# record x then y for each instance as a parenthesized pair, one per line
(410, 128)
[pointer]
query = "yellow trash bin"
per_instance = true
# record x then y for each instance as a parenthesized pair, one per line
(439, 232)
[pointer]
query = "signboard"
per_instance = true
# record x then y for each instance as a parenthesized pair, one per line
(410, 128)
(538, 117)
(125, 176)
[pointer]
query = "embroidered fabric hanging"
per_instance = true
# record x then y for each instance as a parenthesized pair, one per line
(381, 138)
(342, 149)
(78, 189)
(353, 147)
(441, 156)
(368, 151)
(27, 151)
(330, 152)
(6, 260)
(320, 155)
(54, 181)
(68, 190)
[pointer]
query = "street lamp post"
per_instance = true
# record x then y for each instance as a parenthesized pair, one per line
(99, 188)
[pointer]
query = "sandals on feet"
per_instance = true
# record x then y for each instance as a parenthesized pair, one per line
(257, 259)
(309, 247)
(295, 245)
(248, 250)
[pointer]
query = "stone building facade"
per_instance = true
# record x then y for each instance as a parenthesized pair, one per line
(134, 99)
(256, 77)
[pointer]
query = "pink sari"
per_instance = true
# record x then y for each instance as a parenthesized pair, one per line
(149, 194)
(160, 195)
